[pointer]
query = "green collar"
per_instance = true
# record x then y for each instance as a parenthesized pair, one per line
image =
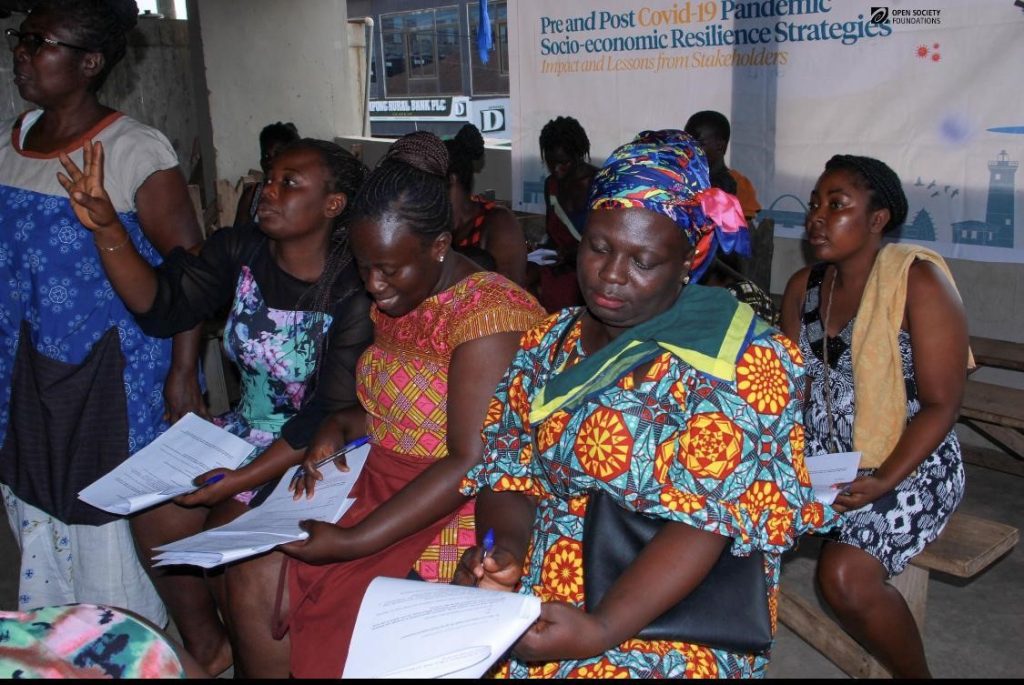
(707, 328)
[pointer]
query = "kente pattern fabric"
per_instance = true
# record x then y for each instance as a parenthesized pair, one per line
(897, 526)
(678, 444)
(82, 641)
(404, 383)
(666, 172)
(52, 279)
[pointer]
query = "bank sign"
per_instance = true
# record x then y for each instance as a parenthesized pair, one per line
(488, 114)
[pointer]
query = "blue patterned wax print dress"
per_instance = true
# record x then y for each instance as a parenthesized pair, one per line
(53, 281)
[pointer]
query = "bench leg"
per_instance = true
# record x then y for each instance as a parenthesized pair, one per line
(814, 627)
(913, 585)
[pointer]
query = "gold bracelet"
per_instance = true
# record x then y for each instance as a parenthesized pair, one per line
(127, 239)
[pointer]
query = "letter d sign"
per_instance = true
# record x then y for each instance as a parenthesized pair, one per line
(492, 119)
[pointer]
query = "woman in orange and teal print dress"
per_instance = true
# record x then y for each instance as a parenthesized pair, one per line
(672, 398)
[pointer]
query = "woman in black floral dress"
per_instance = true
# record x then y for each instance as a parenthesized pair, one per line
(902, 498)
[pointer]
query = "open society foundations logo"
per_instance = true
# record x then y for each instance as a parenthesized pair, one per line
(899, 15)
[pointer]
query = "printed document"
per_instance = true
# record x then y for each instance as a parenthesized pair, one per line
(830, 472)
(273, 523)
(165, 467)
(434, 630)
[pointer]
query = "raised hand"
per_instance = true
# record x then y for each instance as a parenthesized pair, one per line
(89, 198)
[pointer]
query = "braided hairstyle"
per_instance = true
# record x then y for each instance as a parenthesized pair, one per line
(345, 174)
(410, 183)
(100, 25)
(278, 132)
(565, 133)
(885, 190)
(464, 151)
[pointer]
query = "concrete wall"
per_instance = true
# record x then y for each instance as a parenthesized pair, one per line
(153, 83)
(268, 61)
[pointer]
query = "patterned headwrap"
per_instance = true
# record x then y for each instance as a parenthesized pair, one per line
(666, 172)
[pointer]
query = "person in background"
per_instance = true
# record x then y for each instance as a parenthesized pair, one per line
(299, 319)
(479, 224)
(712, 130)
(616, 396)
(884, 336)
(273, 137)
(444, 332)
(721, 275)
(81, 385)
(565, 149)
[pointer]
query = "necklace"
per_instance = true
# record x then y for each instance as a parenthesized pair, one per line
(824, 354)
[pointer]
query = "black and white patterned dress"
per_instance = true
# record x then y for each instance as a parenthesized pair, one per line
(895, 527)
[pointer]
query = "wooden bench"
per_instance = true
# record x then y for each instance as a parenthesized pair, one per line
(967, 546)
(996, 412)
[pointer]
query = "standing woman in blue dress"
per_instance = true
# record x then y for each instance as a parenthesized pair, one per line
(81, 387)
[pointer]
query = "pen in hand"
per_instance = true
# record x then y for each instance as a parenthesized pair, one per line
(355, 444)
(216, 478)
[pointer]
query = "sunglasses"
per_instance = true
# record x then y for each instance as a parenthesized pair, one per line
(33, 41)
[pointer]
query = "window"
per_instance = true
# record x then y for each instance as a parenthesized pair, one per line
(490, 78)
(420, 52)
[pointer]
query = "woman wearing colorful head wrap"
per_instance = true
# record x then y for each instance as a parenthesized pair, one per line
(884, 334)
(663, 395)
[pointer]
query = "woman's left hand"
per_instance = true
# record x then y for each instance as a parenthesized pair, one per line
(182, 395)
(562, 632)
(860, 492)
(326, 544)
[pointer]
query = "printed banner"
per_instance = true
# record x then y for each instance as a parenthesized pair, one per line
(931, 87)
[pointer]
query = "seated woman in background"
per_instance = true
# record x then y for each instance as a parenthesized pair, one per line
(299, 317)
(444, 332)
(273, 137)
(88, 641)
(565, 149)
(639, 395)
(884, 336)
(480, 223)
(721, 275)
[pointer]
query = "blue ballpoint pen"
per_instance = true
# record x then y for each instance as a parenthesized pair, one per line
(355, 444)
(211, 480)
(488, 544)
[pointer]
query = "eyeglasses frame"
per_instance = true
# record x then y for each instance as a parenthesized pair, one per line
(43, 40)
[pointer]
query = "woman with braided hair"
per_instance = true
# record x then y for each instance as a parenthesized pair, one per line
(299, 319)
(82, 387)
(565, 150)
(444, 332)
(480, 223)
(884, 337)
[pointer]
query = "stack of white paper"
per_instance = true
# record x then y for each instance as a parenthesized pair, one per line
(166, 467)
(273, 523)
(829, 473)
(434, 630)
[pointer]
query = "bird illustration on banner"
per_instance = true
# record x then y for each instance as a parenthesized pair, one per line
(484, 41)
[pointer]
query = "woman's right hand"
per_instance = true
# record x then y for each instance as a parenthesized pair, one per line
(213, 494)
(331, 436)
(498, 571)
(89, 198)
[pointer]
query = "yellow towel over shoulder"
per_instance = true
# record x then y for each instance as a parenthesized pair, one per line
(878, 385)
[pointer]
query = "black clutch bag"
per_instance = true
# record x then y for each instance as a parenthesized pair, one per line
(728, 610)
